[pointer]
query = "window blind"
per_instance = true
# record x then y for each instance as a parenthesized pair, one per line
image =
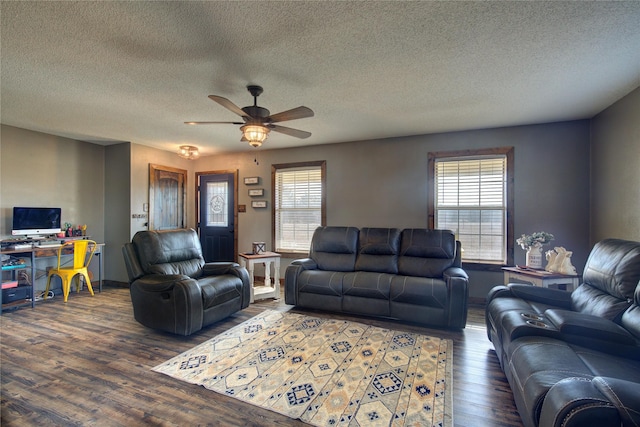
(470, 200)
(298, 207)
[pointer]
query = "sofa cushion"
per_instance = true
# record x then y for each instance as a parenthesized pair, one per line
(320, 282)
(367, 284)
(219, 289)
(423, 291)
(631, 317)
(378, 250)
(170, 252)
(335, 248)
(426, 253)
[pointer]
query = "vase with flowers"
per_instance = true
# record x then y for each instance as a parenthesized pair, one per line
(533, 244)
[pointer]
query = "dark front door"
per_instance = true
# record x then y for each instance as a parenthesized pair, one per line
(216, 199)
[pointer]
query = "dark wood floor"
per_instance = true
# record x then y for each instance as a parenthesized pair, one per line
(88, 362)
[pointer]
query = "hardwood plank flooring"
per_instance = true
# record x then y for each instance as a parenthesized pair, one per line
(88, 362)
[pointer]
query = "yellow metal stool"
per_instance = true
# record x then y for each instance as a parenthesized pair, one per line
(82, 253)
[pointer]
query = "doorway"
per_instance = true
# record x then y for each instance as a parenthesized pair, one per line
(167, 197)
(216, 195)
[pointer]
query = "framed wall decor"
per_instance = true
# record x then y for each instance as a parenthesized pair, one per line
(251, 180)
(256, 192)
(259, 204)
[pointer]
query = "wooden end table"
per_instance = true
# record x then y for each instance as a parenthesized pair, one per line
(540, 278)
(267, 291)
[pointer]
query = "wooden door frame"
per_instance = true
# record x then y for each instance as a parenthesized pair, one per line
(153, 168)
(235, 204)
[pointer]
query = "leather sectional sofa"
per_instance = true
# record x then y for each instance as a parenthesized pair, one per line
(414, 275)
(174, 290)
(573, 359)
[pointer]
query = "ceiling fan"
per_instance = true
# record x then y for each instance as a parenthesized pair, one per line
(258, 121)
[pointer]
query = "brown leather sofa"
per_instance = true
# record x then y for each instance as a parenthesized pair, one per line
(173, 289)
(573, 359)
(414, 275)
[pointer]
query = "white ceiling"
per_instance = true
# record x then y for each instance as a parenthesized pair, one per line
(135, 71)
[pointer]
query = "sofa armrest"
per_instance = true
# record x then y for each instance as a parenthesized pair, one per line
(168, 302)
(625, 396)
(548, 296)
(594, 332)
(580, 401)
(458, 289)
(291, 278)
(305, 263)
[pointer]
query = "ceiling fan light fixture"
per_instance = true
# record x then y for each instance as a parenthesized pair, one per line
(255, 134)
(188, 152)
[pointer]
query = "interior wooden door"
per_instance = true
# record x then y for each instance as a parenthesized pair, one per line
(167, 197)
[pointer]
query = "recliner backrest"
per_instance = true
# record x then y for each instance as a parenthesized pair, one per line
(611, 276)
(169, 252)
(334, 248)
(378, 250)
(426, 253)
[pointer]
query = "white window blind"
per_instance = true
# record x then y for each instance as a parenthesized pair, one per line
(298, 207)
(470, 200)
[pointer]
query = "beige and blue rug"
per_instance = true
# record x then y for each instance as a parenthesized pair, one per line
(326, 372)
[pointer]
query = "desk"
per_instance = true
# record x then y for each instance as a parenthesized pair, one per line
(50, 253)
(267, 291)
(539, 278)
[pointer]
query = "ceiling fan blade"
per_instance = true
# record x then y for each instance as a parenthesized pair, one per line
(213, 123)
(291, 132)
(293, 114)
(228, 105)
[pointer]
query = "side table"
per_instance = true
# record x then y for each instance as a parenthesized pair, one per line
(267, 291)
(540, 278)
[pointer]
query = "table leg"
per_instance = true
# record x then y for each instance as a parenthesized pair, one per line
(276, 279)
(267, 271)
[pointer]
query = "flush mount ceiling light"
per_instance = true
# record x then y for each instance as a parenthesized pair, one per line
(188, 152)
(254, 134)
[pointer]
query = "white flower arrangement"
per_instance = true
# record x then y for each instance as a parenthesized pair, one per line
(537, 239)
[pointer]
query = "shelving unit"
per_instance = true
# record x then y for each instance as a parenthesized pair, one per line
(24, 292)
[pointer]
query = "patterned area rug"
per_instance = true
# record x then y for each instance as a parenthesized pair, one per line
(326, 372)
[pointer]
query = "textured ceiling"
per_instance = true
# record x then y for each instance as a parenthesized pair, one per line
(135, 71)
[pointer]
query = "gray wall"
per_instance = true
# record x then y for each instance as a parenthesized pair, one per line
(369, 183)
(42, 170)
(383, 183)
(118, 208)
(615, 171)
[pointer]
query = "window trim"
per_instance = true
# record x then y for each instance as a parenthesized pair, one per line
(498, 151)
(323, 209)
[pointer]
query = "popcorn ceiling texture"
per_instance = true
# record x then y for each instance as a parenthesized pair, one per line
(135, 71)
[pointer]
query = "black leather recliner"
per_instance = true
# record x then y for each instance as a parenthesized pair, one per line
(173, 289)
(573, 359)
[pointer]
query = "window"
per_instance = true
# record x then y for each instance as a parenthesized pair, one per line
(298, 204)
(473, 196)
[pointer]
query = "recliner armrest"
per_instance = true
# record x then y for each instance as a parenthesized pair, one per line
(556, 297)
(218, 268)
